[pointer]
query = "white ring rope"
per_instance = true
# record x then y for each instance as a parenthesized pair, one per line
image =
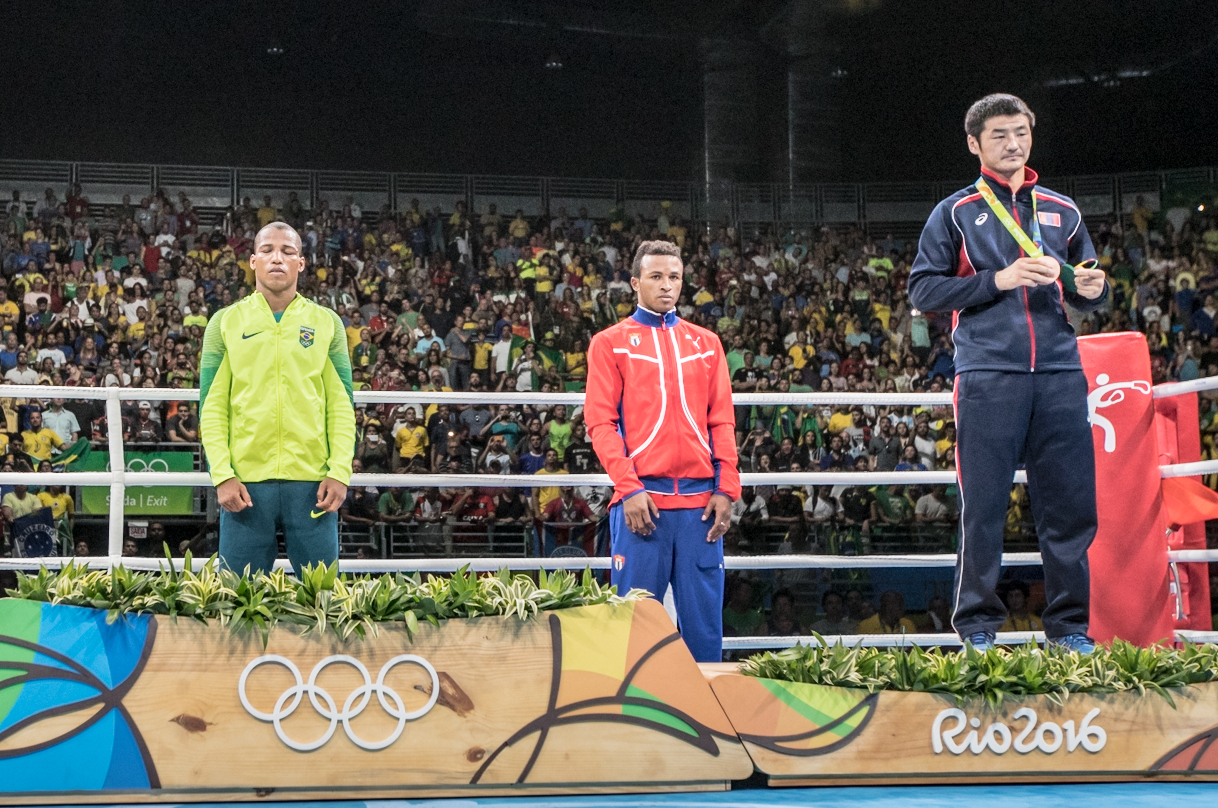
(44, 391)
(1169, 389)
(851, 478)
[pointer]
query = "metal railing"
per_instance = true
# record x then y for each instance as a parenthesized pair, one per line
(448, 536)
(895, 205)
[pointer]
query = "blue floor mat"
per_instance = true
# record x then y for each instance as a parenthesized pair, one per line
(1110, 795)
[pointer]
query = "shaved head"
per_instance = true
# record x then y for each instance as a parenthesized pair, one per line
(279, 226)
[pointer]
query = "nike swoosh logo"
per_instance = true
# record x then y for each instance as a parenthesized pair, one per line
(247, 336)
(316, 514)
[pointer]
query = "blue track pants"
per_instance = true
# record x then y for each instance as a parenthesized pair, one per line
(676, 552)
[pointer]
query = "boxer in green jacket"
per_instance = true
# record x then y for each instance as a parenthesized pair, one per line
(276, 414)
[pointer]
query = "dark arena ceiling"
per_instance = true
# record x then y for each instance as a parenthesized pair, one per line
(616, 89)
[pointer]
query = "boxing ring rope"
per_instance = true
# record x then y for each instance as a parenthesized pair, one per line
(119, 480)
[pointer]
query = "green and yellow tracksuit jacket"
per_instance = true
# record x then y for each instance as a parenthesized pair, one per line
(275, 398)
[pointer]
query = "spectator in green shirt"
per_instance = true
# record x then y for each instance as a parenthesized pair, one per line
(740, 616)
(395, 505)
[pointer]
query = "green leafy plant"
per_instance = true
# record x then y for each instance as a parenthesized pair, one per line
(321, 600)
(993, 676)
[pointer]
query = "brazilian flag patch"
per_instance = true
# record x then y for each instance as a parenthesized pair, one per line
(306, 336)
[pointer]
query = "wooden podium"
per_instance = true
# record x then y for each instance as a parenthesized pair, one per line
(594, 699)
(801, 734)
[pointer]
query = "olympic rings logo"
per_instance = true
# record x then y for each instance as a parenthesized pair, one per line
(325, 705)
(138, 464)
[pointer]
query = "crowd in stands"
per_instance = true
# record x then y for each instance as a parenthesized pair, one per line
(847, 610)
(102, 295)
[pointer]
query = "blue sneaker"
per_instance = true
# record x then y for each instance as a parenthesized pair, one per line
(1079, 643)
(981, 641)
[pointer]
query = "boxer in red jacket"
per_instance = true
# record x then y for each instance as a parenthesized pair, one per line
(659, 410)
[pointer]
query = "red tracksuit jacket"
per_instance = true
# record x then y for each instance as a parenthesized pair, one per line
(659, 409)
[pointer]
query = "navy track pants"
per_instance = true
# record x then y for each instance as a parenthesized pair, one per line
(1039, 419)
(676, 552)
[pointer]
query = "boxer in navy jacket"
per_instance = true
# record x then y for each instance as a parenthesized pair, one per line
(1020, 394)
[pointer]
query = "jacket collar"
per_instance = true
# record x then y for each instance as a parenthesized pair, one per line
(265, 306)
(1001, 188)
(650, 318)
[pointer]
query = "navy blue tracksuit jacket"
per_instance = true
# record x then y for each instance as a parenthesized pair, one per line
(1020, 395)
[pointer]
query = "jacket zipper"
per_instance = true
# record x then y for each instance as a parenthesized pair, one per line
(1027, 309)
(278, 401)
(676, 363)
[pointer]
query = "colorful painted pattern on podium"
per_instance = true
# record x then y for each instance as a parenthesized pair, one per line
(1197, 754)
(63, 674)
(624, 668)
(797, 719)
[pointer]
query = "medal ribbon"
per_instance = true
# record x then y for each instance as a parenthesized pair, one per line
(1031, 246)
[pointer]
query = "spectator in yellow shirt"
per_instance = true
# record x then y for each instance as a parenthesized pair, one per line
(435, 385)
(137, 330)
(458, 215)
(267, 213)
(410, 439)
(1018, 616)
(801, 352)
(56, 498)
(545, 275)
(414, 215)
(677, 232)
(354, 329)
(481, 352)
(519, 227)
(203, 254)
(1142, 215)
(27, 281)
(9, 312)
(841, 419)
(577, 360)
(39, 440)
(196, 316)
(544, 496)
(364, 354)
(945, 447)
(890, 619)
(19, 502)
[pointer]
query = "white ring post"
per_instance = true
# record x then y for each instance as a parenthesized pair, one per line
(118, 472)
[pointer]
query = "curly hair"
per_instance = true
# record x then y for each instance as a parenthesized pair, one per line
(652, 248)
